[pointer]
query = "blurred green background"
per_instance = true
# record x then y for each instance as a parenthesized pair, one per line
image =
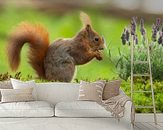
(63, 25)
(61, 19)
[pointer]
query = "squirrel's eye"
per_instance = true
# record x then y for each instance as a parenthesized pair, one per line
(96, 39)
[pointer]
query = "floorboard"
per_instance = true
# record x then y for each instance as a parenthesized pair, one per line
(141, 126)
(152, 127)
(158, 126)
(136, 128)
(148, 126)
(161, 124)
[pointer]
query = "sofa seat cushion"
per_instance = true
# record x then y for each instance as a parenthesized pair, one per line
(80, 109)
(26, 109)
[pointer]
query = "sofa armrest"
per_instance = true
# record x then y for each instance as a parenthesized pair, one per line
(128, 114)
(127, 118)
(128, 111)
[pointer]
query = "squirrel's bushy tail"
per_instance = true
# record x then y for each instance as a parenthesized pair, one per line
(38, 39)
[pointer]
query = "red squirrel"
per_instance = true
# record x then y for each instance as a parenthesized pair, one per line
(57, 61)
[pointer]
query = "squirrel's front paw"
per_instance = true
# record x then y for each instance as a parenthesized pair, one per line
(98, 56)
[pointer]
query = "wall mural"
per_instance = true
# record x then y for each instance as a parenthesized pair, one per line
(82, 53)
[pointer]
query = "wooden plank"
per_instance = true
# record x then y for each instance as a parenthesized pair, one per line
(132, 67)
(141, 49)
(157, 126)
(143, 106)
(141, 126)
(139, 75)
(142, 91)
(140, 62)
(151, 82)
(161, 124)
(136, 128)
(148, 126)
(148, 117)
(152, 127)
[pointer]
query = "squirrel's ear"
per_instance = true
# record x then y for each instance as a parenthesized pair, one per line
(88, 29)
(85, 19)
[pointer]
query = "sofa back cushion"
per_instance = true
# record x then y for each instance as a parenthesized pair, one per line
(55, 92)
(16, 95)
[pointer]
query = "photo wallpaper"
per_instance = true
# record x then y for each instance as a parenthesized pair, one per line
(51, 41)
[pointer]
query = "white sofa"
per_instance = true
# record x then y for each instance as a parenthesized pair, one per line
(57, 108)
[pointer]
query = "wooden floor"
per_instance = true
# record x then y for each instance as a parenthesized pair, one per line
(148, 126)
(145, 122)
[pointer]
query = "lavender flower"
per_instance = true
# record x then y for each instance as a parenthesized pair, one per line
(158, 23)
(133, 25)
(154, 33)
(127, 35)
(135, 38)
(157, 32)
(123, 37)
(160, 39)
(155, 29)
(142, 29)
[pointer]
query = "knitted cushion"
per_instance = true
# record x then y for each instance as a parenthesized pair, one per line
(91, 91)
(111, 89)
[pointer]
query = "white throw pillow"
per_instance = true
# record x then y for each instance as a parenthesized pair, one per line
(26, 109)
(5, 85)
(17, 84)
(80, 109)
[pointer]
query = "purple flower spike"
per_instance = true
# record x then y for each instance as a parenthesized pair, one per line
(123, 37)
(127, 35)
(136, 39)
(133, 25)
(160, 39)
(158, 23)
(142, 29)
(155, 29)
(154, 33)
